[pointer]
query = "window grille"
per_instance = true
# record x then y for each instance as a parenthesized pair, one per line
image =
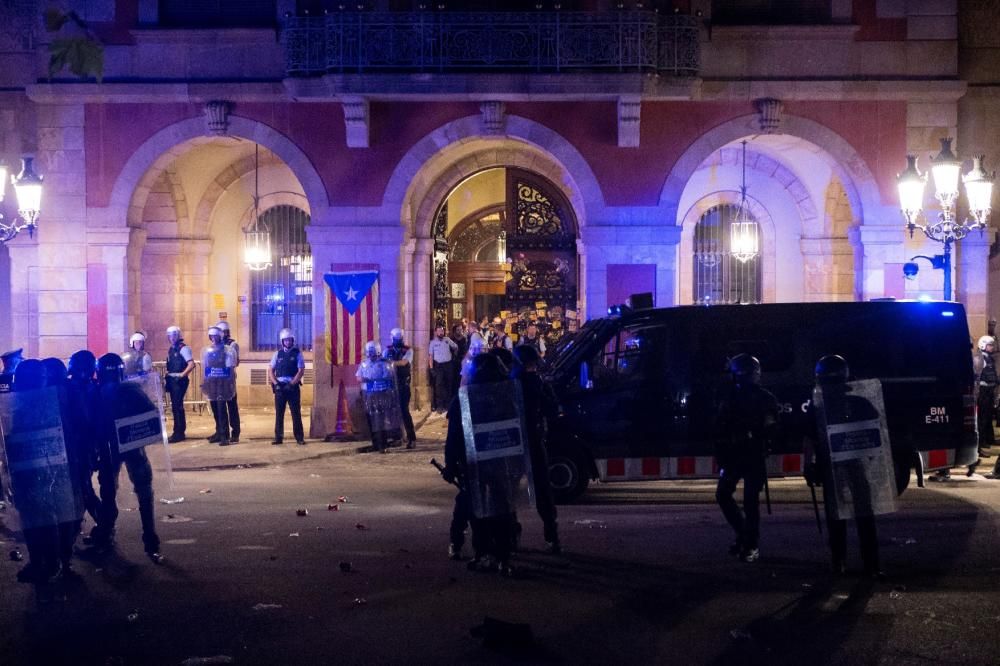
(719, 277)
(281, 295)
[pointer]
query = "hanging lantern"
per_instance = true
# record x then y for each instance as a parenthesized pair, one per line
(256, 236)
(744, 239)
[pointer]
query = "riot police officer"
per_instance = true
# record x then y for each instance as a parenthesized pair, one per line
(219, 383)
(122, 400)
(285, 374)
(748, 419)
(378, 386)
(232, 405)
(985, 389)
(136, 359)
(10, 361)
(180, 364)
(82, 389)
(401, 356)
(832, 371)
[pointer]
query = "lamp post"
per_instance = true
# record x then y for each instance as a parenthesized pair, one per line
(947, 228)
(28, 190)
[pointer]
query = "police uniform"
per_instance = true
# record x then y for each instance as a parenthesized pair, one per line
(178, 357)
(10, 361)
(286, 363)
(233, 405)
(747, 418)
(985, 388)
(395, 352)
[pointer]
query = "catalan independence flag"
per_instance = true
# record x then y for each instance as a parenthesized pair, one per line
(351, 314)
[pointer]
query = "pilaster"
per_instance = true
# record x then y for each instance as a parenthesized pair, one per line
(880, 245)
(972, 278)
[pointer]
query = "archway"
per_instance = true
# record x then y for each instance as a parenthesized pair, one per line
(505, 249)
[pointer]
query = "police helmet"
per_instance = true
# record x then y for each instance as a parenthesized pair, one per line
(223, 326)
(372, 347)
(284, 334)
(745, 368)
(487, 368)
(173, 329)
(832, 369)
(55, 371)
(527, 355)
(110, 369)
(136, 337)
(29, 375)
(396, 334)
(82, 365)
(214, 330)
(986, 340)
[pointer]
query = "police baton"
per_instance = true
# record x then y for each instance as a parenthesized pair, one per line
(767, 493)
(819, 523)
(440, 468)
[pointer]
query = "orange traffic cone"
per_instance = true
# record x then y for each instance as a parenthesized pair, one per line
(343, 422)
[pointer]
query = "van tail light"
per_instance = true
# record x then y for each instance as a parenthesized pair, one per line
(968, 411)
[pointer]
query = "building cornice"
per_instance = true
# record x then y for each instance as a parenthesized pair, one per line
(495, 88)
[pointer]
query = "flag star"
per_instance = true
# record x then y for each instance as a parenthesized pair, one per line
(352, 295)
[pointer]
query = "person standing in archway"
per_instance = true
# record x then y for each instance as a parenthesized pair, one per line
(441, 353)
(532, 339)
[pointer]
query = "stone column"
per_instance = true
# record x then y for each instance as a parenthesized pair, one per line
(60, 267)
(828, 266)
(420, 305)
(358, 245)
(881, 245)
(109, 249)
(971, 278)
(24, 296)
(633, 244)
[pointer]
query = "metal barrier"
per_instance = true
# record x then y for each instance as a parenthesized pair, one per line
(542, 41)
(193, 399)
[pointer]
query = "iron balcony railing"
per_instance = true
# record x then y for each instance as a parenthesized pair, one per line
(448, 42)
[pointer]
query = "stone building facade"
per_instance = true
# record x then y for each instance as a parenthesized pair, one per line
(150, 173)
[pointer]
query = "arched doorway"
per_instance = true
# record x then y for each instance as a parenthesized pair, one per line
(505, 247)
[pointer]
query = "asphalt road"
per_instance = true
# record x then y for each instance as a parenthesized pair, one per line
(645, 579)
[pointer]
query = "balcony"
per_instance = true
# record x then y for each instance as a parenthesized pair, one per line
(351, 42)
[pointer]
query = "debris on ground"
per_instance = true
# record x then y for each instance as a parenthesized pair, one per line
(164, 500)
(133, 616)
(333, 507)
(294, 534)
(504, 636)
(361, 526)
(263, 606)
(314, 476)
(204, 491)
(207, 661)
(346, 567)
(343, 499)
(591, 523)
(895, 595)
(302, 513)
(360, 601)
(16, 556)
(174, 518)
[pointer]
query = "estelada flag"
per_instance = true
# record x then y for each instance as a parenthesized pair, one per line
(352, 314)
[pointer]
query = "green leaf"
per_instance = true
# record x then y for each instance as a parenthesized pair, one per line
(54, 19)
(83, 56)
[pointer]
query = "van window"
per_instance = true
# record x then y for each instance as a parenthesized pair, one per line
(622, 356)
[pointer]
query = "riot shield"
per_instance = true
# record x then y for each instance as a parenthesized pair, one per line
(498, 463)
(136, 363)
(378, 390)
(152, 388)
(855, 439)
(219, 382)
(37, 472)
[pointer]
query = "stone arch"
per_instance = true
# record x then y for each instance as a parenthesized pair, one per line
(760, 163)
(459, 149)
(686, 248)
(232, 174)
(133, 183)
(858, 181)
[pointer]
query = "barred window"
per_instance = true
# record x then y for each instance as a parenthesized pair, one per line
(281, 295)
(719, 277)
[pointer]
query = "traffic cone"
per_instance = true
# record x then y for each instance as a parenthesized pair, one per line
(343, 422)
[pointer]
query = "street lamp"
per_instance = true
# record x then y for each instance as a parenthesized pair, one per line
(947, 229)
(28, 190)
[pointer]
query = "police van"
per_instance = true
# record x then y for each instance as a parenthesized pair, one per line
(639, 390)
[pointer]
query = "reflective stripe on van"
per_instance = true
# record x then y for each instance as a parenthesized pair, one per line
(685, 467)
